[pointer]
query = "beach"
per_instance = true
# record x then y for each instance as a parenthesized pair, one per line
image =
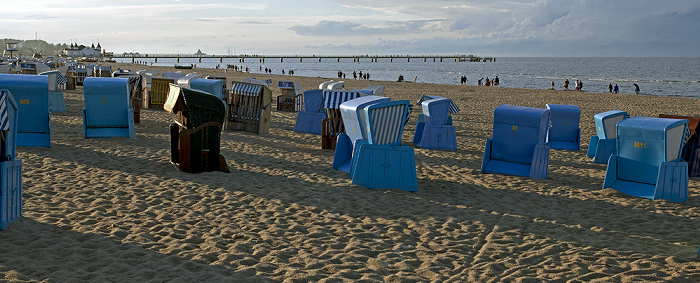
(116, 209)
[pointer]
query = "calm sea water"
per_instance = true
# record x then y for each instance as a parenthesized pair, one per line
(671, 76)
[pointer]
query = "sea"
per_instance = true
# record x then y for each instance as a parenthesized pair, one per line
(659, 76)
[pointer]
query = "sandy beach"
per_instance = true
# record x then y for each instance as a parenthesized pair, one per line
(116, 210)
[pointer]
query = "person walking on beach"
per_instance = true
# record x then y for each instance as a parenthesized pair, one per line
(552, 84)
(566, 84)
(479, 81)
(636, 89)
(610, 88)
(616, 89)
(496, 81)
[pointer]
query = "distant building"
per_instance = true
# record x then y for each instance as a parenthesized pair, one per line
(199, 52)
(76, 50)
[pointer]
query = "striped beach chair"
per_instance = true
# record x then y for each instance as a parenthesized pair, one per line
(249, 108)
(291, 98)
(434, 129)
(108, 111)
(10, 165)
(564, 132)
(56, 100)
(519, 143)
(333, 125)
(603, 144)
(380, 161)
(32, 95)
(648, 161)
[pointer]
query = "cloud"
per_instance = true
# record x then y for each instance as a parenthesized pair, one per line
(346, 28)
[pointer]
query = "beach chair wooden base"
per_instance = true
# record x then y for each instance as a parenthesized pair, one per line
(190, 149)
(332, 127)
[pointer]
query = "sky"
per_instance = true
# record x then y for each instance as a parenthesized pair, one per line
(645, 28)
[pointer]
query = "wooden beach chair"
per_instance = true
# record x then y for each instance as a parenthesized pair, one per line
(310, 120)
(195, 136)
(333, 125)
(604, 143)
(648, 161)
(291, 98)
(32, 95)
(434, 129)
(519, 145)
(564, 133)
(691, 150)
(249, 108)
(10, 164)
(108, 111)
(158, 92)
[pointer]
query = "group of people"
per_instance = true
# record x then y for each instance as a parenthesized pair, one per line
(611, 88)
(355, 75)
(489, 82)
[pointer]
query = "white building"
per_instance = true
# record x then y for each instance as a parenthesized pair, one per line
(82, 51)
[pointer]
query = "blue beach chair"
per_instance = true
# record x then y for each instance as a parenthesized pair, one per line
(310, 120)
(518, 146)
(379, 160)
(32, 94)
(603, 144)
(107, 111)
(56, 100)
(564, 133)
(213, 87)
(10, 165)
(648, 159)
(352, 113)
(434, 129)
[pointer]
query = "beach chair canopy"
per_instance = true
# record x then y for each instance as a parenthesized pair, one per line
(32, 95)
(213, 87)
(606, 123)
(385, 122)
(173, 75)
(55, 79)
(353, 114)
(324, 85)
(564, 131)
(333, 98)
(453, 107)
(247, 89)
(313, 100)
(377, 90)
(335, 85)
(516, 132)
(287, 85)
(107, 101)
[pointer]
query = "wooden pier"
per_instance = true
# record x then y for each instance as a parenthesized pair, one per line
(319, 58)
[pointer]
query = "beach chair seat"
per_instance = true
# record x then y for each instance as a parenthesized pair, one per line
(518, 146)
(108, 111)
(249, 108)
(564, 132)
(379, 160)
(196, 135)
(648, 161)
(333, 125)
(31, 92)
(691, 150)
(56, 100)
(10, 164)
(310, 120)
(351, 112)
(604, 143)
(291, 98)
(434, 129)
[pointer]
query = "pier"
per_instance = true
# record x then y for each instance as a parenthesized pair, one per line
(313, 58)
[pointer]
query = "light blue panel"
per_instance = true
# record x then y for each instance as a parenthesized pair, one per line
(437, 110)
(56, 101)
(312, 100)
(606, 123)
(442, 137)
(310, 122)
(384, 121)
(106, 102)
(603, 150)
(31, 92)
(516, 132)
(10, 192)
(352, 113)
(651, 140)
(385, 167)
(213, 87)
(564, 128)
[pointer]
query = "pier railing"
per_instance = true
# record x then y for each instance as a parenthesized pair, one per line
(356, 58)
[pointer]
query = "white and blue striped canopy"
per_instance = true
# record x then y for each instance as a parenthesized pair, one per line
(453, 106)
(61, 79)
(387, 122)
(4, 116)
(246, 89)
(333, 98)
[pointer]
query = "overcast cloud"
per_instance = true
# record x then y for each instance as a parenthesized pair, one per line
(493, 28)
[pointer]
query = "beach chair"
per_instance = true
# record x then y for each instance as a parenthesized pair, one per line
(10, 165)
(691, 150)
(648, 160)
(324, 85)
(352, 113)
(173, 75)
(333, 125)
(195, 136)
(136, 90)
(603, 144)
(107, 111)
(519, 143)
(80, 73)
(310, 120)
(377, 90)
(159, 92)
(291, 98)
(249, 108)
(379, 160)
(335, 85)
(224, 90)
(31, 92)
(434, 129)
(213, 87)
(564, 133)
(187, 79)
(56, 100)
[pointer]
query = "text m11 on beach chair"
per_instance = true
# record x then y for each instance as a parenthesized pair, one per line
(108, 111)
(434, 129)
(691, 150)
(32, 95)
(564, 133)
(10, 165)
(195, 137)
(604, 144)
(379, 160)
(310, 120)
(518, 146)
(648, 160)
